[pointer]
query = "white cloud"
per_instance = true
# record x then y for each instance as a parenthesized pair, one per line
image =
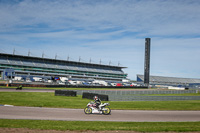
(108, 30)
(156, 17)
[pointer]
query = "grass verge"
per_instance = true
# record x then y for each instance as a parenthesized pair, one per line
(45, 99)
(101, 126)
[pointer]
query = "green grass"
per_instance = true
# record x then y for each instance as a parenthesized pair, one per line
(45, 99)
(101, 126)
(38, 99)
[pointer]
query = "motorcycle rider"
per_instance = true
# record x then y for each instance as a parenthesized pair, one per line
(97, 101)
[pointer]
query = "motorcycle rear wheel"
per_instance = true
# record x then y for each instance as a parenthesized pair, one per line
(106, 110)
(88, 110)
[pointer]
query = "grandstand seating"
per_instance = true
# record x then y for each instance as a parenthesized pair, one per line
(60, 67)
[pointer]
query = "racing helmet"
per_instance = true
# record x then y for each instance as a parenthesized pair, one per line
(96, 98)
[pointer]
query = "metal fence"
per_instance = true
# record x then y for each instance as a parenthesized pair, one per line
(136, 95)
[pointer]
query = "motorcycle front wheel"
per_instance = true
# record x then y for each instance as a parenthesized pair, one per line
(106, 111)
(88, 110)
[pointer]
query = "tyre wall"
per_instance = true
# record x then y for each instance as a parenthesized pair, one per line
(65, 93)
(91, 95)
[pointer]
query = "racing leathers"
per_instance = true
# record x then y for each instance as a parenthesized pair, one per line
(97, 102)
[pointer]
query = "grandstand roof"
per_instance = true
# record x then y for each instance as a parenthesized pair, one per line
(161, 79)
(59, 61)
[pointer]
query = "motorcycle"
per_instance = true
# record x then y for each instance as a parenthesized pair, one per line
(92, 109)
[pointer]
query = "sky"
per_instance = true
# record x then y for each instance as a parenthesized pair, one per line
(112, 32)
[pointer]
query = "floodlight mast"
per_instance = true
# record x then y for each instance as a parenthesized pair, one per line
(147, 61)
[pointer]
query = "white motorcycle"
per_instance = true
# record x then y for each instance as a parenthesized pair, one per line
(91, 108)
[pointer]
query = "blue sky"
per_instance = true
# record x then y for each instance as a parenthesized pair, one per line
(107, 30)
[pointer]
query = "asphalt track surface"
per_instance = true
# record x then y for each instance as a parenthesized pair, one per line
(24, 90)
(38, 113)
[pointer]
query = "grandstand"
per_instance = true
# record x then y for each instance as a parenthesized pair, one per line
(36, 66)
(169, 80)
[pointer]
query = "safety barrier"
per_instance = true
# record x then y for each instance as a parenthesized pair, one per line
(151, 98)
(73, 86)
(105, 95)
(140, 95)
(98, 86)
(136, 92)
(91, 95)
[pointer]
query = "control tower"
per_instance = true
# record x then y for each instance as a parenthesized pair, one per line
(147, 61)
